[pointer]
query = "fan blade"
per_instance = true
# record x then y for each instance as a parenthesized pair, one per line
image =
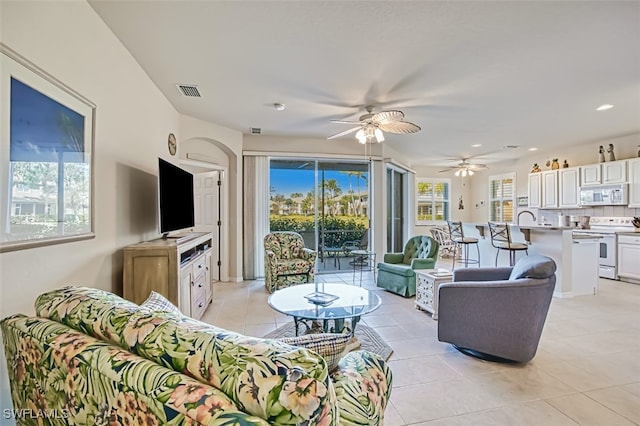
(345, 122)
(387, 117)
(447, 170)
(400, 127)
(476, 166)
(346, 132)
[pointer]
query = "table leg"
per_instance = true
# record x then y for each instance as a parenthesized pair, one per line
(296, 322)
(338, 325)
(354, 322)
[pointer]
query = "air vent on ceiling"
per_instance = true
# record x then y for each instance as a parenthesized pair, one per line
(256, 130)
(189, 90)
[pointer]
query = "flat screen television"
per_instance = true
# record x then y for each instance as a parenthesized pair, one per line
(175, 198)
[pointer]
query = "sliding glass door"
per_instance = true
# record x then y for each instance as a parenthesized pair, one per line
(326, 201)
(395, 210)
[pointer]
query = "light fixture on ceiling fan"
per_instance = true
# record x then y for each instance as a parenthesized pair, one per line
(369, 133)
(464, 172)
(370, 126)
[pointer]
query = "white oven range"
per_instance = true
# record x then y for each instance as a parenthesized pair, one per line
(608, 228)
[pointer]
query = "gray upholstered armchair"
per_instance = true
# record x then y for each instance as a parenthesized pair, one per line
(497, 313)
(396, 272)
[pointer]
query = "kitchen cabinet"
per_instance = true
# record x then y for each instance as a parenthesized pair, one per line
(535, 189)
(569, 188)
(550, 189)
(614, 172)
(591, 174)
(584, 265)
(628, 255)
(634, 182)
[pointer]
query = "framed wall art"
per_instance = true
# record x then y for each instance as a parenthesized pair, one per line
(46, 155)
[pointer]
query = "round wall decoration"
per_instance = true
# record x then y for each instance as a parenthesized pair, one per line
(173, 144)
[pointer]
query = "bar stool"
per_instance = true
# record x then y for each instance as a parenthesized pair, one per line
(501, 239)
(459, 240)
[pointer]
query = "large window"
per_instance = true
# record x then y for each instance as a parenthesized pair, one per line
(502, 197)
(433, 200)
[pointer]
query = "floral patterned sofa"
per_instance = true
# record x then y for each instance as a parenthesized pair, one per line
(286, 261)
(90, 357)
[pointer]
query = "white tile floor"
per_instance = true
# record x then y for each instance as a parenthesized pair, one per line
(586, 371)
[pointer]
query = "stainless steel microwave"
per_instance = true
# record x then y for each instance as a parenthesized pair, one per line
(604, 195)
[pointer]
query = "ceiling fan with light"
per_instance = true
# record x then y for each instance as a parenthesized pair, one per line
(464, 168)
(370, 126)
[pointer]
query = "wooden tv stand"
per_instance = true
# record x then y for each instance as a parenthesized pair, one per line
(177, 268)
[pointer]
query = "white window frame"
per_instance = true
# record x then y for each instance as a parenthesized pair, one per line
(447, 201)
(501, 198)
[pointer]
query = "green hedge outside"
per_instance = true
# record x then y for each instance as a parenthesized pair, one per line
(342, 228)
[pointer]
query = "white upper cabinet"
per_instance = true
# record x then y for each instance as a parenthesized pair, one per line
(591, 174)
(569, 187)
(614, 172)
(634, 182)
(535, 189)
(550, 189)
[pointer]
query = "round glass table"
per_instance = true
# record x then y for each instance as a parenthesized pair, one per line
(335, 302)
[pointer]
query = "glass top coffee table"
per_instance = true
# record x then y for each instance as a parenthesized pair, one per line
(350, 302)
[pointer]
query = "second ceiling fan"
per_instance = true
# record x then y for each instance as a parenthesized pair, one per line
(464, 168)
(370, 126)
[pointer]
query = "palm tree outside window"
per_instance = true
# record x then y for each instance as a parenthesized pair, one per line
(433, 200)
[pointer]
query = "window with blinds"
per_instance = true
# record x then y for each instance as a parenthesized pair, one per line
(502, 193)
(433, 200)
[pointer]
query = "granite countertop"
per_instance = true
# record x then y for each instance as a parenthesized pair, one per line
(549, 227)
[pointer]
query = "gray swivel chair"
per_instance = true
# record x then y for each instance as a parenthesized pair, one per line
(497, 313)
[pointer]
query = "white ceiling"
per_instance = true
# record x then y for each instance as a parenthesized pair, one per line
(491, 73)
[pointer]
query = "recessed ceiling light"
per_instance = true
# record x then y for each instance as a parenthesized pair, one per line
(476, 145)
(533, 149)
(604, 107)
(278, 106)
(511, 147)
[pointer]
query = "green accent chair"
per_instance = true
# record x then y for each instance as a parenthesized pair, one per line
(396, 272)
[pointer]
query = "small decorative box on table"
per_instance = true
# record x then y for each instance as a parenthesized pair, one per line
(427, 282)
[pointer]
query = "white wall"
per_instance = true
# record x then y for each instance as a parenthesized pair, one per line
(224, 145)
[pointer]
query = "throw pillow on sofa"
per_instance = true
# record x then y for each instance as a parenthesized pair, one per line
(331, 346)
(158, 303)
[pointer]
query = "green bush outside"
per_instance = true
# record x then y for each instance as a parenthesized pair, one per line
(341, 228)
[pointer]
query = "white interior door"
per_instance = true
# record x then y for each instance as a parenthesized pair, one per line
(207, 213)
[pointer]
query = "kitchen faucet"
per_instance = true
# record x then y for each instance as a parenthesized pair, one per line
(524, 211)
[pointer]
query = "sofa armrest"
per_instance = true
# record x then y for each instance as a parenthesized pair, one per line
(481, 274)
(363, 387)
(423, 263)
(393, 258)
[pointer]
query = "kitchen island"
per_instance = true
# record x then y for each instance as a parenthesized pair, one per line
(556, 242)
